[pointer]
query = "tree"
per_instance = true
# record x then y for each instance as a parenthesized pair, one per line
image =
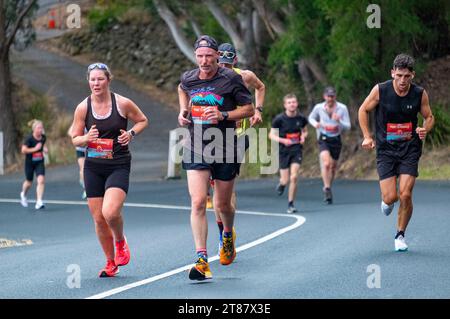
(237, 19)
(13, 14)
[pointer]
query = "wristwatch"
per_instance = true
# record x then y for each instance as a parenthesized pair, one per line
(225, 115)
(132, 133)
(260, 108)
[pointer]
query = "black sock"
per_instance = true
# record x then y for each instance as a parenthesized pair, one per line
(291, 203)
(400, 233)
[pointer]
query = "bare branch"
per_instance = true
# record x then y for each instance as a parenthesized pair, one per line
(273, 23)
(227, 24)
(177, 33)
(20, 18)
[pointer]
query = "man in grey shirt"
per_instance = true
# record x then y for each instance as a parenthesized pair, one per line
(330, 118)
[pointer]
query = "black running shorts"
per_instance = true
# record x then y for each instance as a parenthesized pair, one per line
(391, 164)
(331, 144)
(289, 157)
(220, 171)
(31, 168)
(99, 177)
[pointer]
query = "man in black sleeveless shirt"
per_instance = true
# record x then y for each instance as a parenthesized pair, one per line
(398, 138)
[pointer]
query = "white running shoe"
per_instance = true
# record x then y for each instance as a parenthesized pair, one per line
(39, 205)
(400, 244)
(23, 200)
(387, 209)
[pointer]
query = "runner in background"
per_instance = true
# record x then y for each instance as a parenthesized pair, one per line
(35, 151)
(289, 129)
(330, 118)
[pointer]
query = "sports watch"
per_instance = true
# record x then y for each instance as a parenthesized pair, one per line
(225, 115)
(132, 133)
(260, 108)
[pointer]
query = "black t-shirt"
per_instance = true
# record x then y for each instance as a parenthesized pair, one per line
(31, 142)
(290, 127)
(396, 118)
(226, 91)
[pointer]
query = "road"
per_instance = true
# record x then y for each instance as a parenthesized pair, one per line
(321, 252)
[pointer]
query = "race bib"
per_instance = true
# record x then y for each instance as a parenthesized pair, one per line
(399, 132)
(100, 148)
(294, 137)
(331, 129)
(38, 156)
(198, 116)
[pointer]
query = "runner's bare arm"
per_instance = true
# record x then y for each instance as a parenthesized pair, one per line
(240, 112)
(78, 124)
(304, 135)
(368, 106)
(135, 114)
(251, 80)
(425, 110)
(28, 150)
(273, 135)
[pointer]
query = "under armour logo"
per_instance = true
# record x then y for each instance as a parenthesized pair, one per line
(409, 107)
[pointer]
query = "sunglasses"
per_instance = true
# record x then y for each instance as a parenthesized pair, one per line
(227, 54)
(100, 66)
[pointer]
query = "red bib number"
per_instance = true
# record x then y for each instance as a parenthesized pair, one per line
(38, 156)
(294, 137)
(100, 148)
(398, 132)
(198, 116)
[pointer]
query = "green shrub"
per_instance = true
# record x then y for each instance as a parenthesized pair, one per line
(440, 134)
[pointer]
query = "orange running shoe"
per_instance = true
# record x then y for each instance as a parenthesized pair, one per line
(200, 271)
(122, 253)
(228, 251)
(110, 270)
(209, 203)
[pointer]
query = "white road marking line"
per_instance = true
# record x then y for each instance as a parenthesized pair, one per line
(300, 220)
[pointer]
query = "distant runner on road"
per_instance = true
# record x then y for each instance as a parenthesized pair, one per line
(292, 133)
(34, 149)
(330, 118)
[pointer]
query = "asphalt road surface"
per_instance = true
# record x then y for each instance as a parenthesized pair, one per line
(321, 252)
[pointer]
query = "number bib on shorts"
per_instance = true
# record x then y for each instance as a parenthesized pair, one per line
(100, 148)
(198, 116)
(38, 156)
(294, 137)
(398, 132)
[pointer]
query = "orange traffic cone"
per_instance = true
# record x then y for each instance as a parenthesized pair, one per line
(52, 20)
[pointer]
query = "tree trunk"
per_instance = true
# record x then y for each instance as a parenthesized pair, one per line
(273, 24)
(7, 118)
(231, 28)
(308, 82)
(183, 44)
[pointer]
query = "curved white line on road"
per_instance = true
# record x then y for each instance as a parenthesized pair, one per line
(300, 220)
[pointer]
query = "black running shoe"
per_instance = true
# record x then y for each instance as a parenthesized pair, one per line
(328, 197)
(280, 189)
